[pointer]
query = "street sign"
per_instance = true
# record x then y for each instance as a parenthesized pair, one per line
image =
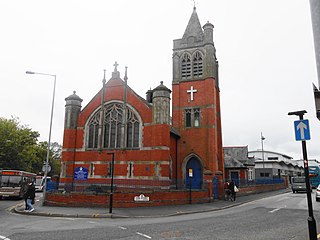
(44, 168)
(302, 130)
(80, 173)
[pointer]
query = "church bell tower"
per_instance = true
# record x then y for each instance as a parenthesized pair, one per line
(196, 105)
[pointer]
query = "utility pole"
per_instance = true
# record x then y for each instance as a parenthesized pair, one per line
(315, 18)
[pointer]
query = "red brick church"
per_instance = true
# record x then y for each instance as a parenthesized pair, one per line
(151, 149)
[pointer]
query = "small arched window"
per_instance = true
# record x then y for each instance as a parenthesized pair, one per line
(186, 66)
(197, 65)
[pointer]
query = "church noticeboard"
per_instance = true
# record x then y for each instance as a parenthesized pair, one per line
(80, 173)
(141, 198)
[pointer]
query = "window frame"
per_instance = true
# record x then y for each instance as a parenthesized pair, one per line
(190, 116)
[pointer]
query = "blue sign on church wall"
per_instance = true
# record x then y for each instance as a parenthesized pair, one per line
(80, 173)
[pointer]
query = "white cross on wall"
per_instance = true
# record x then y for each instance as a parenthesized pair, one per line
(191, 91)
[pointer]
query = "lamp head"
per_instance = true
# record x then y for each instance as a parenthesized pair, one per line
(298, 113)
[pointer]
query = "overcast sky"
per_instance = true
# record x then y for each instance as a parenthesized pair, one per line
(265, 51)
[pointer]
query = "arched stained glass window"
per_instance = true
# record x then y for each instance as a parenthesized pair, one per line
(112, 125)
(197, 65)
(186, 66)
(114, 128)
(132, 130)
(94, 131)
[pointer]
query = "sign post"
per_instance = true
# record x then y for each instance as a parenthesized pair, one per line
(111, 188)
(190, 184)
(302, 133)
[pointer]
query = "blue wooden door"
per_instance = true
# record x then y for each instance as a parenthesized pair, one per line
(196, 179)
(235, 177)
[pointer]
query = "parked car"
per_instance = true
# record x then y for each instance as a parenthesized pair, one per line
(318, 193)
(298, 184)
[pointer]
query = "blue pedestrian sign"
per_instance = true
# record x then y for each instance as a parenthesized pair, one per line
(302, 130)
(80, 173)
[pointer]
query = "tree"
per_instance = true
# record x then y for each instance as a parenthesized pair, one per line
(19, 148)
(54, 157)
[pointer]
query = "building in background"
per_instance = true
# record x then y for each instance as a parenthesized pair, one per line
(273, 165)
(238, 166)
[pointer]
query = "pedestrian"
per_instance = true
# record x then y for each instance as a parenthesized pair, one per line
(29, 197)
(226, 190)
(232, 188)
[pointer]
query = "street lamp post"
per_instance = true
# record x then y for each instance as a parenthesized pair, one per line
(262, 152)
(49, 141)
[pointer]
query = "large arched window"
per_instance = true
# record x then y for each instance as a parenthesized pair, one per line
(197, 65)
(186, 66)
(115, 127)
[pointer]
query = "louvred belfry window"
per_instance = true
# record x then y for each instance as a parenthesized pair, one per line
(197, 65)
(186, 66)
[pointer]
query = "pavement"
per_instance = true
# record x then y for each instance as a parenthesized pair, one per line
(139, 212)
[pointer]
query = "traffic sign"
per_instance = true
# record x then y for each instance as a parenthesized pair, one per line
(302, 130)
(44, 168)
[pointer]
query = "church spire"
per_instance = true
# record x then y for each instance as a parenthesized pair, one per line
(194, 28)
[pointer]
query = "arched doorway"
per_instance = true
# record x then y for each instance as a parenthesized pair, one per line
(194, 173)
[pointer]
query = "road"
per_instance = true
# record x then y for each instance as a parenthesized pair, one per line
(282, 216)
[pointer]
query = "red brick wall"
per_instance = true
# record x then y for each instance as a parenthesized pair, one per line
(124, 200)
(157, 198)
(261, 188)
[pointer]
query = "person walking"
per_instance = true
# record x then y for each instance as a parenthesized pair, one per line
(232, 187)
(227, 192)
(29, 197)
(25, 197)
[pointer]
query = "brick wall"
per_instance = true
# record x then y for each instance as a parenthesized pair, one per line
(126, 199)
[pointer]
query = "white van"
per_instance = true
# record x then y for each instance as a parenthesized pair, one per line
(40, 183)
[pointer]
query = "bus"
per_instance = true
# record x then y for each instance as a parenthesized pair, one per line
(314, 176)
(13, 183)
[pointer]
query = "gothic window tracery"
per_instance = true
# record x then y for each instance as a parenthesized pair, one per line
(192, 117)
(114, 128)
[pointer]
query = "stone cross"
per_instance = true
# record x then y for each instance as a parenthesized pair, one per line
(115, 66)
(191, 91)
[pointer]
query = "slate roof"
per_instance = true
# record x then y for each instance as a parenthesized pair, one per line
(194, 28)
(237, 157)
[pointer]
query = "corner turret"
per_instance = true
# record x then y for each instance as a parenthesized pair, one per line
(161, 104)
(72, 110)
